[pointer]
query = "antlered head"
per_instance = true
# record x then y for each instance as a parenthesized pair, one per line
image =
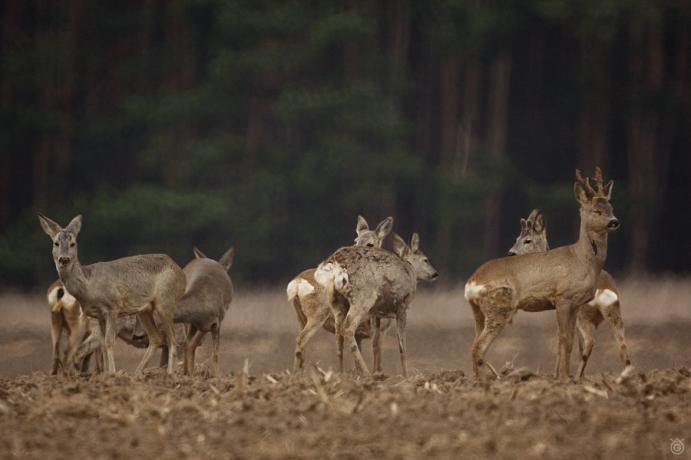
(533, 236)
(596, 211)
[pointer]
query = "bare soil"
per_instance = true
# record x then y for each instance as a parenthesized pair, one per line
(438, 412)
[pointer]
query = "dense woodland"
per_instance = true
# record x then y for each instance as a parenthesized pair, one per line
(270, 125)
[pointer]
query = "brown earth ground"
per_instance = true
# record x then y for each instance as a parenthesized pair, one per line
(438, 412)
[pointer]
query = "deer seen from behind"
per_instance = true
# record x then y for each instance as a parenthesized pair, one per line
(308, 296)
(140, 285)
(361, 281)
(563, 278)
(203, 306)
(604, 305)
(66, 316)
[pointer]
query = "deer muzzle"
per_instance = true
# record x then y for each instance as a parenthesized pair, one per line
(64, 260)
(613, 224)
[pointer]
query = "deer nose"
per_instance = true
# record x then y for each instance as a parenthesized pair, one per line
(613, 224)
(435, 275)
(511, 252)
(64, 260)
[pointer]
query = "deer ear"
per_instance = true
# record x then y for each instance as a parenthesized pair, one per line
(198, 253)
(227, 259)
(399, 247)
(539, 223)
(362, 225)
(524, 224)
(75, 225)
(608, 188)
(384, 227)
(415, 242)
(581, 194)
(49, 226)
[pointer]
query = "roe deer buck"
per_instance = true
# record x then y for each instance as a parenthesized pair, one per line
(203, 306)
(605, 304)
(563, 278)
(365, 280)
(309, 297)
(66, 315)
(139, 285)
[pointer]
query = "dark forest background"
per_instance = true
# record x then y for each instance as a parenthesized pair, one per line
(270, 125)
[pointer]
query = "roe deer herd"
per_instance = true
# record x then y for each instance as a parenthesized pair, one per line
(355, 293)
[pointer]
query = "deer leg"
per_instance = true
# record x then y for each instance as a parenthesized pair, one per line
(402, 347)
(586, 341)
(613, 315)
(495, 320)
(338, 328)
(310, 328)
(110, 319)
(165, 308)
(146, 317)
(75, 339)
(216, 343)
(191, 347)
(376, 343)
(55, 335)
(191, 331)
(350, 325)
(566, 321)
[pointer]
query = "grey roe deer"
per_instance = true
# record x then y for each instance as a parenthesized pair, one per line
(563, 278)
(604, 305)
(365, 280)
(308, 297)
(203, 306)
(140, 285)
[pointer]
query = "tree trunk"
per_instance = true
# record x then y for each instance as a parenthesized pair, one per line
(500, 79)
(644, 163)
(595, 114)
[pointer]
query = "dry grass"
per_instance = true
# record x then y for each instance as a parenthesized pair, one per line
(261, 326)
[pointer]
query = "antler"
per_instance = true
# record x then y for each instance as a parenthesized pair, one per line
(585, 182)
(599, 182)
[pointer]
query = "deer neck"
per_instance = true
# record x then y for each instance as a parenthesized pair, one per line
(74, 279)
(591, 247)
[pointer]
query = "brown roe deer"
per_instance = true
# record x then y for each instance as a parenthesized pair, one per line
(563, 278)
(605, 304)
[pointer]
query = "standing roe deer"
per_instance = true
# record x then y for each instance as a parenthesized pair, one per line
(563, 278)
(308, 297)
(365, 280)
(203, 306)
(605, 304)
(139, 285)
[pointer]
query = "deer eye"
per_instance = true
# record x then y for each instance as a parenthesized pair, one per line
(72, 245)
(56, 244)
(528, 241)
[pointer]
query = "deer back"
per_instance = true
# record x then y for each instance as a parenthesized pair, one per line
(129, 282)
(375, 271)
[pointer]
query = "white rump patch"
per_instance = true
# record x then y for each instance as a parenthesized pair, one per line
(299, 287)
(53, 296)
(332, 272)
(68, 300)
(604, 298)
(292, 289)
(473, 290)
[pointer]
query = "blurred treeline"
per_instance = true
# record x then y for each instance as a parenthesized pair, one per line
(270, 125)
